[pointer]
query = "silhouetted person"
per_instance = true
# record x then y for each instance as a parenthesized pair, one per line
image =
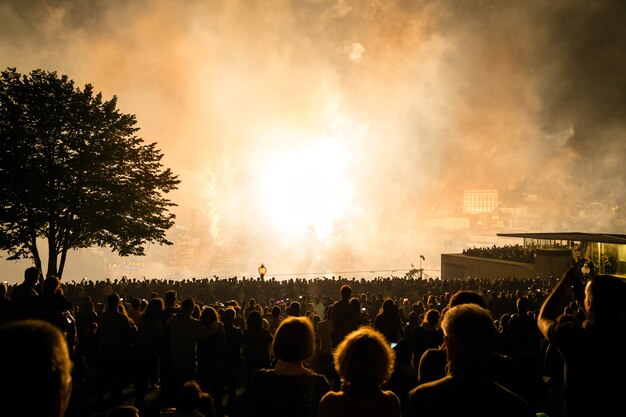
(233, 341)
(404, 376)
(36, 370)
(183, 332)
(364, 361)
(524, 343)
(148, 348)
(291, 388)
(468, 389)
(343, 316)
(256, 344)
(58, 310)
(593, 352)
(189, 402)
(433, 364)
(211, 357)
(427, 335)
(116, 333)
(388, 322)
(171, 307)
(25, 295)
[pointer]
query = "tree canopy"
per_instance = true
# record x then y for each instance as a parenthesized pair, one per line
(73, 171)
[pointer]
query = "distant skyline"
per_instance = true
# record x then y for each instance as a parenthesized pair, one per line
(320, 134)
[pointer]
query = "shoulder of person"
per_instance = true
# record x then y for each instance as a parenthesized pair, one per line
(393, 401)
(332, 396)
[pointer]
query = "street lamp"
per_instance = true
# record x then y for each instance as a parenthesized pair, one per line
(262, 271)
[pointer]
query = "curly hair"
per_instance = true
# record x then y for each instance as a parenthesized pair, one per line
(364, 359)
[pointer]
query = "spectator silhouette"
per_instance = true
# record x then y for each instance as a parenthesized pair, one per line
(58, 310)
(256, 344)
(404, 376)
(388, 322)
(343, 316)
(294, 309)
(291, 388)
(524, 346)
(211, 357)
(364, 361)
(25, 296)
(275, 319)
(36, 371)
(183, 331)
(325, 353)
(116, 333)
(426, 336)
(191, 402)
(171, 307)
(233, 341)
(433, 364)
(148, 348)
(592, 352)
(411, 324)
(468, 389)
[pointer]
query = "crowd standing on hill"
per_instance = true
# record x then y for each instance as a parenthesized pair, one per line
(315, 347)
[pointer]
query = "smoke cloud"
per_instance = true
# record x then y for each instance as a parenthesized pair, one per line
(329, 135)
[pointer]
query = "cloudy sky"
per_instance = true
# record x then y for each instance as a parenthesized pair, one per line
(313, 134)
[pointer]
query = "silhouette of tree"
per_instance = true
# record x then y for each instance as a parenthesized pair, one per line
(73, 171)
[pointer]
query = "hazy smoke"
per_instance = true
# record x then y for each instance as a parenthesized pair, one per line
(413, 101)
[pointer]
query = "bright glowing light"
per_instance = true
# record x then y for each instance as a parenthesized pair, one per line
(306, 187)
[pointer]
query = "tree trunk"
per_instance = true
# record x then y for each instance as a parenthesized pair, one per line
(35, 253)
(52, 257)
(62, 262)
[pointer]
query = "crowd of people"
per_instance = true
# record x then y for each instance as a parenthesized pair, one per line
(515, 253)
(322, 347)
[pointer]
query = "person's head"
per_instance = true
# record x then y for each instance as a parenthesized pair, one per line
(113, 301)
(36, 369)
(356, 304)
(364, 359)
(32, 275)
(254, 320)
(604, 299)
(196, 311)
(522, 304)
(294, 340)
(432, 317)
(3, 290)
(229, 315)
(135, 303)
(276, 312)
(51, 284)
(469, 333)
(188, 306)
(155, 308)
(170, 298)
(294, 308)
(345, 292)
(208, 316)
(465, 297)
(388, 306)
(188, 397)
